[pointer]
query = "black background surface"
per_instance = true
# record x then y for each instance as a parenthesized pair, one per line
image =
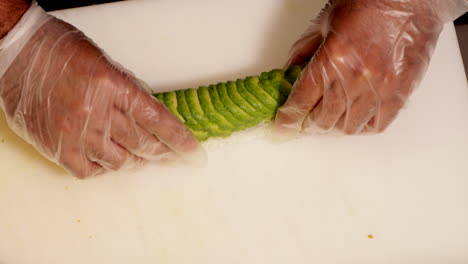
(462, 20)
(51, 5)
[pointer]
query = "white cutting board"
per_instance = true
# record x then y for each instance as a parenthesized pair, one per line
(314, 200)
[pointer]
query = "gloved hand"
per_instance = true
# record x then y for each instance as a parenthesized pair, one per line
(367, 58)
(64, 96)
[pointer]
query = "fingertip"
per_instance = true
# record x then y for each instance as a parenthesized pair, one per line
(188, 149)
(181, 140)
(191, 144)
(290, 117)
(93, 170)
(196, 157)
(79, 166)
(281, 134)
(286, 124)
(310, 127)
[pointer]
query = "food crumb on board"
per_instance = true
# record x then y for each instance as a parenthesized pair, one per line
(78, 221)
(90, 236)
(370, 236)
(3, 140)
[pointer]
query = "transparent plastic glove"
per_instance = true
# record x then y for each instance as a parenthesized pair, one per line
(64, 96)
(367, 58)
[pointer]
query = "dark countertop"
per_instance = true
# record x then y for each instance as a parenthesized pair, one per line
(462, 33)
(461, 25)
(51, 5)
(462, 20)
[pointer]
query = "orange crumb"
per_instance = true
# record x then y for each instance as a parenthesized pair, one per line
(370, 236)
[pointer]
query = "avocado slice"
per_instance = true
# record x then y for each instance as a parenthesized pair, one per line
(213, 115)
(160, 97)
(196, 109)
(269, 82)
(252, 85)
(253, 101)
(231, 106)
(189, 121)
(293, 73)
(221, 109)
(170, 100)
(240, 101)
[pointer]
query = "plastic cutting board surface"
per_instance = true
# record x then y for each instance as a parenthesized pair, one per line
(399, 197)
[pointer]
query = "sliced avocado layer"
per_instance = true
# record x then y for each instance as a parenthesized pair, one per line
(222, 109)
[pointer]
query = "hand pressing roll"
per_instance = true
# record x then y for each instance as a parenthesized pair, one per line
(64, 96)
(367, 58)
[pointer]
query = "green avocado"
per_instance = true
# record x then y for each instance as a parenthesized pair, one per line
(160, 97)
(270, 82)
(240, 101)
(231, 106)
(221, 109)
(252, 85)
(213, 115)
(184, 110)
(253, 101)
(170, 100)
(193, 102)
